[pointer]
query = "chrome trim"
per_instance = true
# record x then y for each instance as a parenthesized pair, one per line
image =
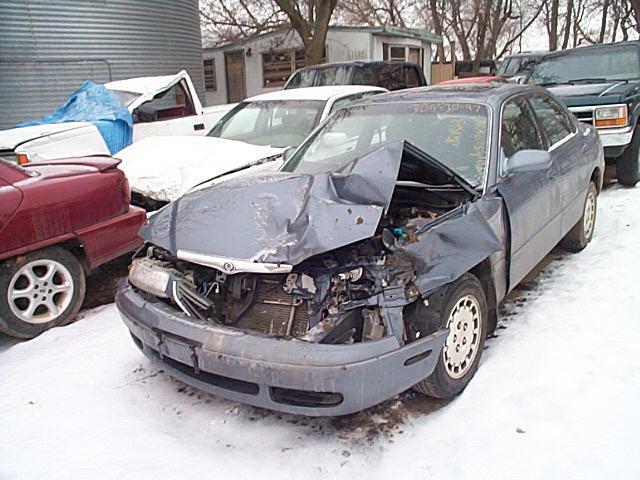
(615, 138)
(607, 90)
(562, 142)
(231, 266)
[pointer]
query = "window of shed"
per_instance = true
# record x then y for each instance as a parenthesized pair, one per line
(397, 54)
(210, 75)
(276, 68)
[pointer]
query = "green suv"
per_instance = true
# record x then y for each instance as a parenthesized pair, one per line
(601, 85)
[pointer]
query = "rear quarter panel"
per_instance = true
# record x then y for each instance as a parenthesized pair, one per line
(54, 208)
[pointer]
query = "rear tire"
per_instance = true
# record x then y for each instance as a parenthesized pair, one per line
(40, 290)
(464, 311)
(582, 233)
(628, 164)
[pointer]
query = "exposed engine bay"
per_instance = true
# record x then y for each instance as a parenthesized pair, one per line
(357, 293)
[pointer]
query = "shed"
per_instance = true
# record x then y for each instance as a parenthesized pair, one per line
(263, 63)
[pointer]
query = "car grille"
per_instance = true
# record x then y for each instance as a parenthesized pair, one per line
(584, 114)
(275, 312)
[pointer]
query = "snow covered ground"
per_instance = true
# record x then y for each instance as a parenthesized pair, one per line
(557, 396)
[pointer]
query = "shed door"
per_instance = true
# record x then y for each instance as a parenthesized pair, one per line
(236, 86)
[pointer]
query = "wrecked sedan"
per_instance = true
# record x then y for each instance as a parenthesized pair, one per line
(374, 260)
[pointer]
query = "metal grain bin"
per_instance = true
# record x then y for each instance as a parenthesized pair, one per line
(49, 47)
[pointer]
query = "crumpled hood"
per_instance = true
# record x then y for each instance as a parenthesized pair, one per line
(280, 217)
(164, 168)
(593, 93)
(10, 139)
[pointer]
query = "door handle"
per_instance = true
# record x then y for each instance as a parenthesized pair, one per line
(585, 148)
(198, 126)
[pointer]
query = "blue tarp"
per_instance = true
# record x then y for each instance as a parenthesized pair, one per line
(96, 104)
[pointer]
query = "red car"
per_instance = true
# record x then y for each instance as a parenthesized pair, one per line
(58, 220)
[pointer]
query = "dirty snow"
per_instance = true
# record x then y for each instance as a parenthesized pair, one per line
(556, 396)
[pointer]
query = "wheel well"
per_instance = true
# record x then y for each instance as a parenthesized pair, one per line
(75, 247)
(596, 177)
(483, 273)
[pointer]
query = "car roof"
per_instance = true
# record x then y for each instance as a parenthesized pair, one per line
(598, 46)
(491, 93)
(535, 53)
(315, 93)
(358, 63)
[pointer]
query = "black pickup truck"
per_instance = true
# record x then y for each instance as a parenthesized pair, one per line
(391, 75)
(601, 85)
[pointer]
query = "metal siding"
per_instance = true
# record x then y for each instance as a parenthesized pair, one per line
(48, 48)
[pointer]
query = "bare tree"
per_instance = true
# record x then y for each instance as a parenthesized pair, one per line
(310, 19)
(399, 13)
(229, 20)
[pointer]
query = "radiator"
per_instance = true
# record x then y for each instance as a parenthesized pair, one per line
(275, 312)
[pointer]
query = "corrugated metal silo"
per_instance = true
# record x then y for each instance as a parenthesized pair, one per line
(49, 47)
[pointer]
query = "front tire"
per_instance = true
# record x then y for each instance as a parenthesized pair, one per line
(582, 233)
(628, 164)
(464, 312)
(40, 290)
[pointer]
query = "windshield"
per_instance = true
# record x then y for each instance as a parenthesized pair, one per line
(588, 65)
(319, 77)
(453, 133)
(509, 67)
(126, 98)
(275, 123)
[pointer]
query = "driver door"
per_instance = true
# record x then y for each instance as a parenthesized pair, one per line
(171, 112)
(533, 199)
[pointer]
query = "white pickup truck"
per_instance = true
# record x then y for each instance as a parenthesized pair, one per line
(167, 105)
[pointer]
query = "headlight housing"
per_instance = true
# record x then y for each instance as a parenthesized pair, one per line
(13, 157)
(614, 116)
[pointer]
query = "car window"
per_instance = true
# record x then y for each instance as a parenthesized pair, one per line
(331, 76)
(454, 133)
(174, 102)
(413, 78)
(519, 130)
(387, 75)
(588, 65)
(278, 123)
(555, 123)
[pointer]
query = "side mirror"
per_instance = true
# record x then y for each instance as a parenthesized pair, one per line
(527, 161)
(286, 155)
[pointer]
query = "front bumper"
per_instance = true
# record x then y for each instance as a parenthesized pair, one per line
(287, 375)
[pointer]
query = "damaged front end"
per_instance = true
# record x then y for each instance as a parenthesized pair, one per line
(323, 316)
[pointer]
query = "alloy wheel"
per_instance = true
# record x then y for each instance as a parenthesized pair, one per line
(40, 291)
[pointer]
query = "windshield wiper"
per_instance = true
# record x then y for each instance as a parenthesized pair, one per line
(239, 169)
(551, 84)
(588, 80)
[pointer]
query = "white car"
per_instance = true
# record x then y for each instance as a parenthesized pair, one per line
(257, 130)
(167, 105)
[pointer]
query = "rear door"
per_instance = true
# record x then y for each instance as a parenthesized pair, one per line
(533, 199)
(569, 152)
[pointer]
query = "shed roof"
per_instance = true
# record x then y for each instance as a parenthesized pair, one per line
(398, 32)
